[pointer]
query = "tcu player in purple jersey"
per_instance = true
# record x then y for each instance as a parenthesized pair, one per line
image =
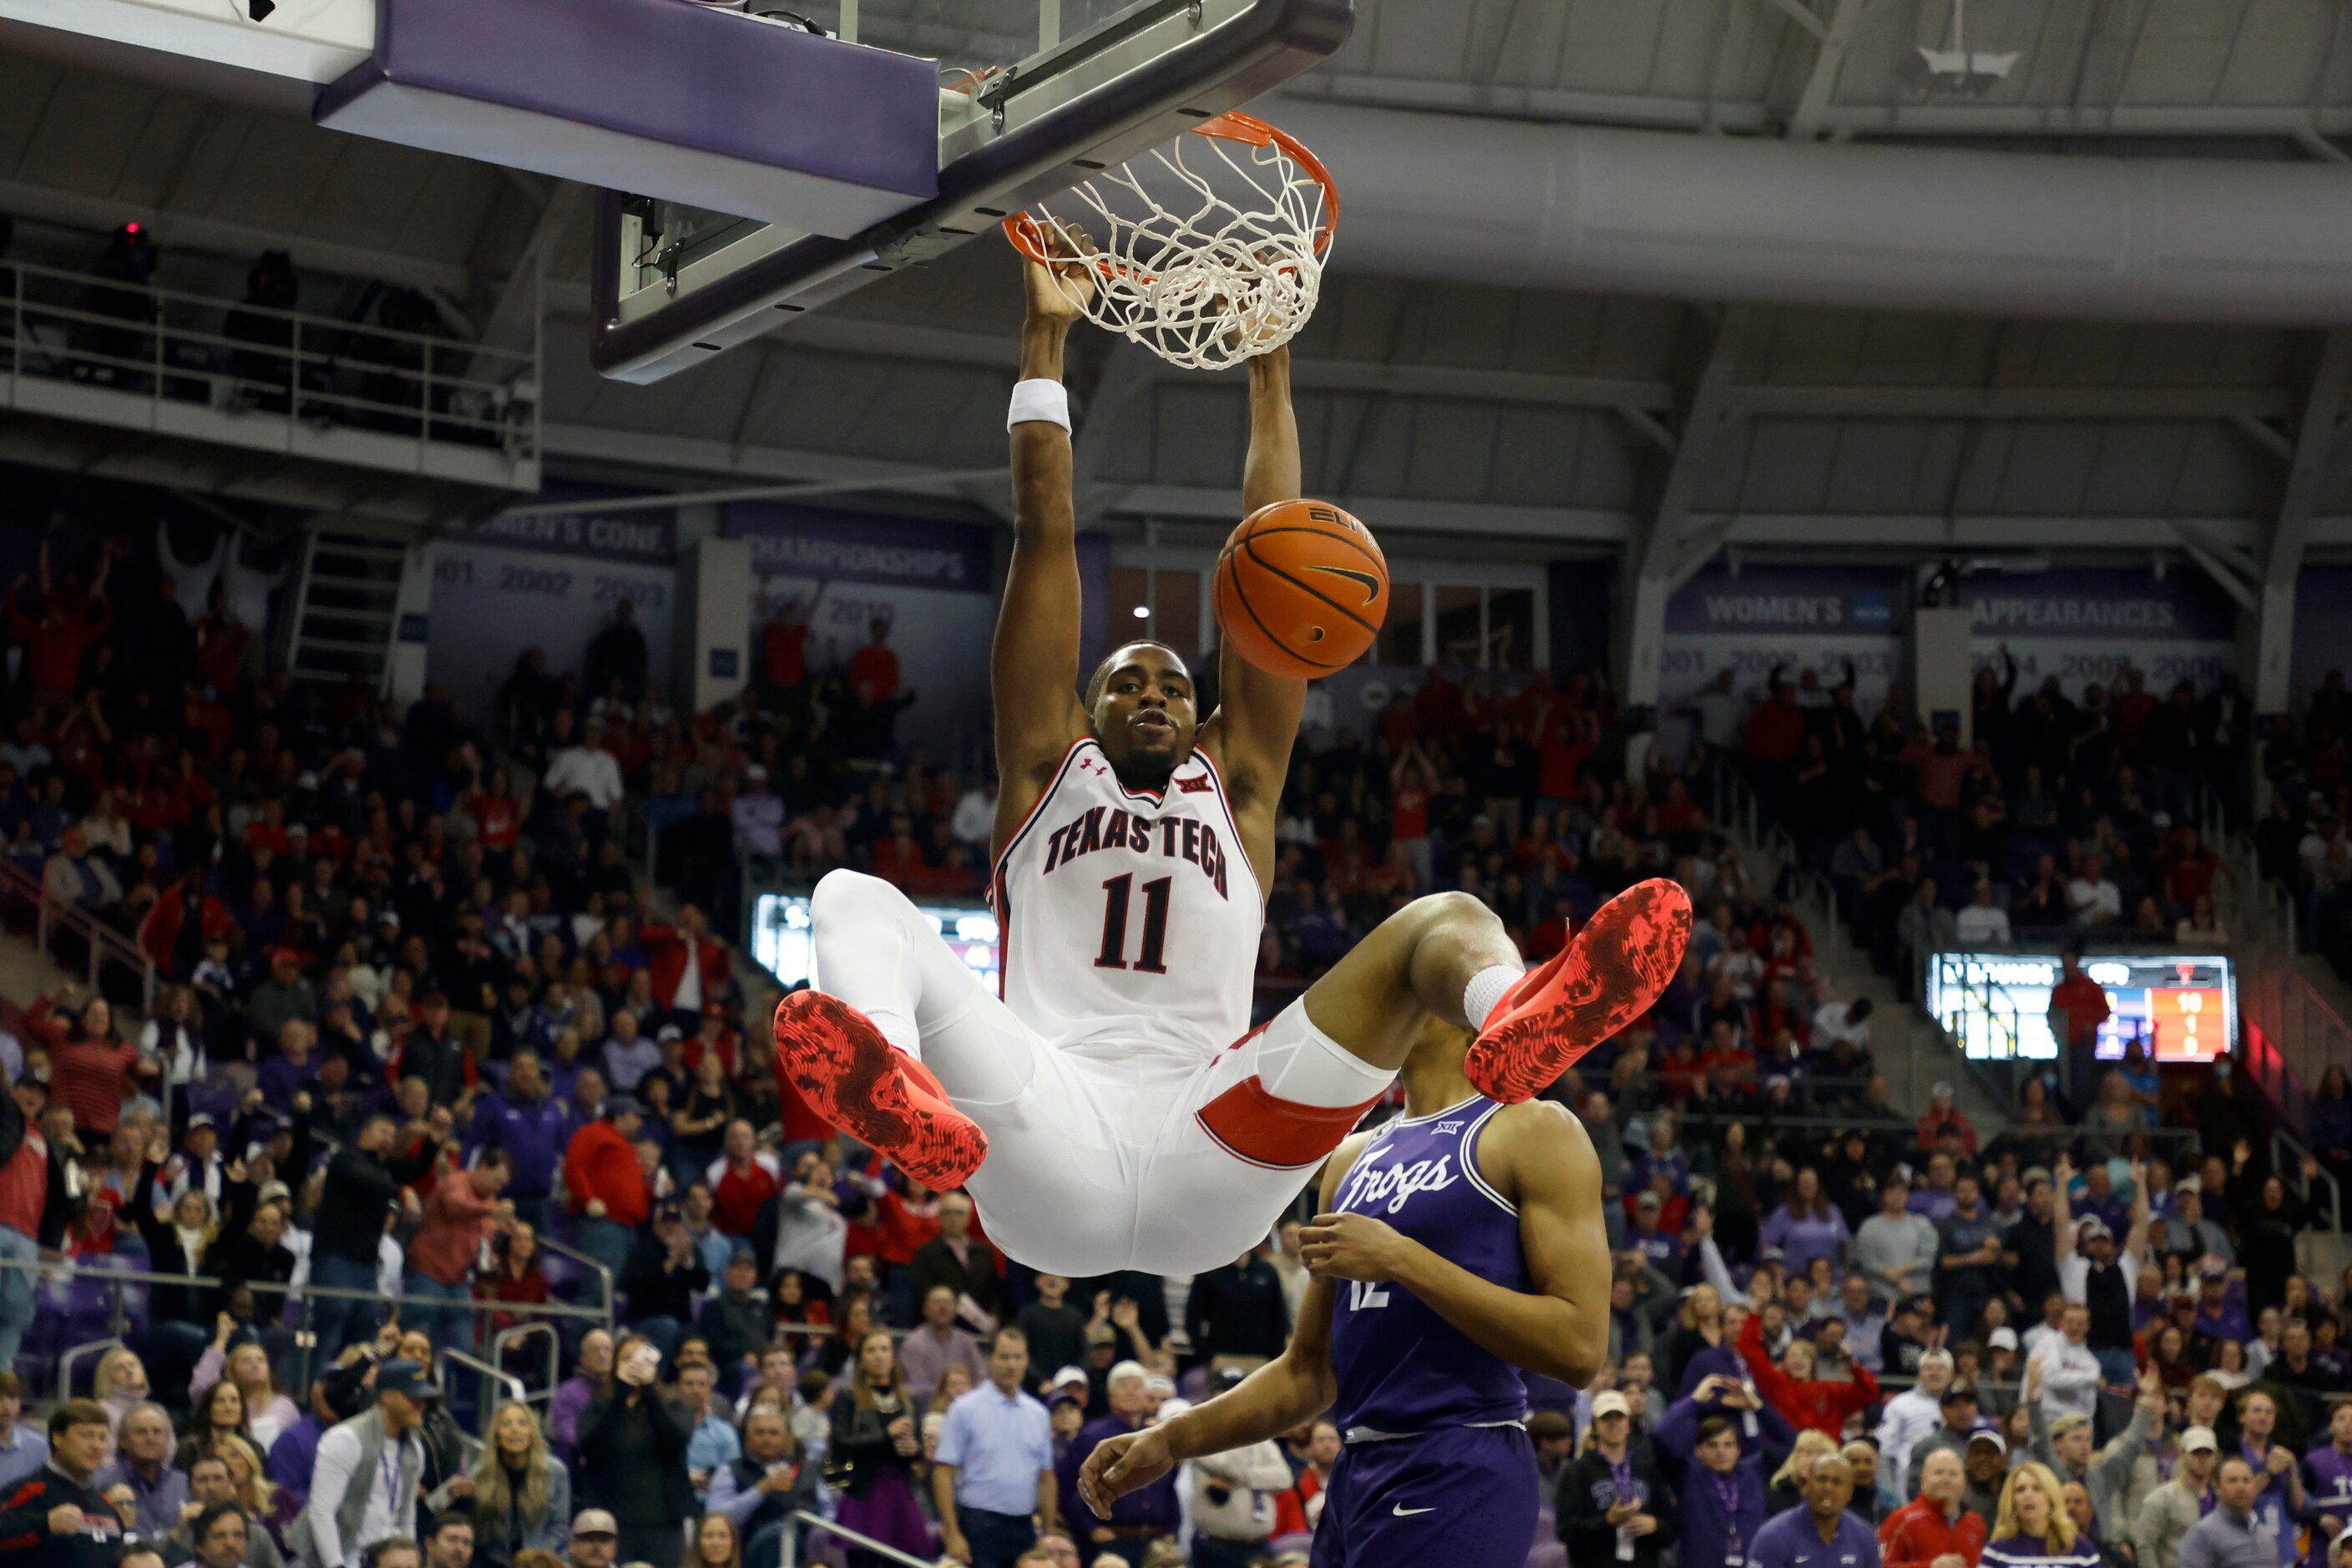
(1457, 1244)
(2328, 1484)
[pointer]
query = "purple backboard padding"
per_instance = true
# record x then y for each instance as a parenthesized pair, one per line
(683, 81)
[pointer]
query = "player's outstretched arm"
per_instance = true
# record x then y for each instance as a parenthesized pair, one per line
(1561, 1327)
(1295, 1386)
(1257, 715)
(1034, 665)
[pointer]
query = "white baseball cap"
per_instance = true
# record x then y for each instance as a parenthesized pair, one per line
(1611, 1403)
(1131, 1368)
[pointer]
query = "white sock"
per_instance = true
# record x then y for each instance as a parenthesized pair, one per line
(1485, 992)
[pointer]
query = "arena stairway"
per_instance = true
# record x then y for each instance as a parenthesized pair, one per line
(1912, 1050)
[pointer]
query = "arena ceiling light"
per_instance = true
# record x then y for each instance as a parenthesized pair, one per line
(1958, 71)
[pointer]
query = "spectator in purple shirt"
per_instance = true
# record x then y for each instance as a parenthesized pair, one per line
(1664, 1251)
(295, 1066)
(335, 1395)
(529, 1124)
(2219, 1315)
(1142, 1516)
(592, 1381)
(1807, 1225)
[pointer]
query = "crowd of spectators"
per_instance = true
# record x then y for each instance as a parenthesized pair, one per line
(2061, 819)
(424, 1036)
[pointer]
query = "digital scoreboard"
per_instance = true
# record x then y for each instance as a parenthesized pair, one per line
(782, 939)
(1997, 1005)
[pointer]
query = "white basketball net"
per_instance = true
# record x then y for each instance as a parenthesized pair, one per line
(1204, 266)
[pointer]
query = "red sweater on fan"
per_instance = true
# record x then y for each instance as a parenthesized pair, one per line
(600, 1164)
(1811, 1403)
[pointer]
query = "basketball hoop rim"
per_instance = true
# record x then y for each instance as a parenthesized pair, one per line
(1021, 228)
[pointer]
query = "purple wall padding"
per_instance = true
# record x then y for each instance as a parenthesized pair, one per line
(658, 96)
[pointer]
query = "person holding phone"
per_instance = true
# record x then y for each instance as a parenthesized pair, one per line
(633, 1459)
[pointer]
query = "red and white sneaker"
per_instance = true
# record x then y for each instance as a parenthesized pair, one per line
(873, 1092)
(1611, 974)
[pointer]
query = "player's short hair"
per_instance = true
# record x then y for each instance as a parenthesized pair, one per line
(453, 1520)
(996, 1340)
(1101, 676)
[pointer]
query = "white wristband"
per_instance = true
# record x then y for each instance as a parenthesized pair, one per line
(1039, 401)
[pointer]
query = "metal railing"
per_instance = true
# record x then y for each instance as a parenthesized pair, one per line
(816, 1523)
(93, 1348)
(104, 947)
(265, 363)
(2287, 1154)
(302, 1296)
(486, 1376)
(104, 952)
(602, 1272)
(507, 1339)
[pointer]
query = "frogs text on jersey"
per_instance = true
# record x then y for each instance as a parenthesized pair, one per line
(1368, 1189)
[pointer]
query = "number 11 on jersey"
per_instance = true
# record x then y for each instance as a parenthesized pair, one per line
(1363, 1295)
(1117, 893)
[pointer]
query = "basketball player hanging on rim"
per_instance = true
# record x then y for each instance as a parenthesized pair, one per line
(1111, 1108)
(1453, 1245)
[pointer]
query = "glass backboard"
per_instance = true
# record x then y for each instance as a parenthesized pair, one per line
(1035, 95)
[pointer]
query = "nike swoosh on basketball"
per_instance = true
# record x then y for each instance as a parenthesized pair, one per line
(1404, 1512)
(1364, 579)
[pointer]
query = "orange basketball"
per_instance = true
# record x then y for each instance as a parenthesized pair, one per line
(1302, 589)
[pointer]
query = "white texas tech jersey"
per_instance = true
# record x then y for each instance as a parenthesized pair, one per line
(1129, 917)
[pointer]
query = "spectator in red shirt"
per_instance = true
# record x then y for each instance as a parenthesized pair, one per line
(497, 815)
(1808, 1402)
(874, 667)
(516, 1280)
(89, 1069)
(2078, 1006)
(1942, 1113)
(459, 1217)
(783, 649)
(1409, 785)
(1296, 1510)
(1934, 1524)
(1347, 861)
(741, 1179)
(606, 1184)
(71, 624)
(167, 936)
(2190, 876)
(688, 968)
(1777, 728)
(898, 859)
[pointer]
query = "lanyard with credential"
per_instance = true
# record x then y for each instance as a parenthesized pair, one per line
(1727, 1490)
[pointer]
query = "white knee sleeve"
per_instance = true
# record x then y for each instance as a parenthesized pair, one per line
(883, 956)
(859, 926)
(1300, 1063)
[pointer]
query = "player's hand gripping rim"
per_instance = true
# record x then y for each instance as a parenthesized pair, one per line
(1062, 292)
(1119, 1465)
